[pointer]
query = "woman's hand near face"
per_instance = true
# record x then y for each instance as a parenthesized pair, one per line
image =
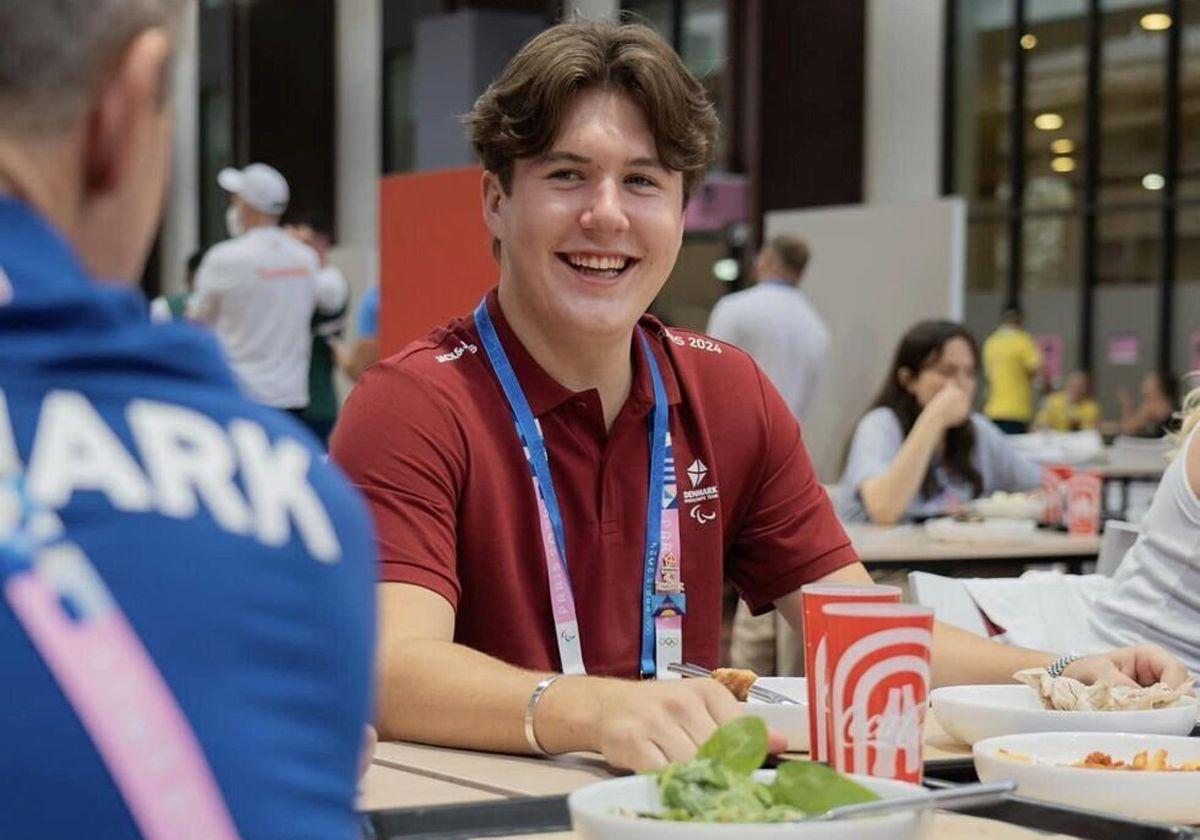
(951, 406)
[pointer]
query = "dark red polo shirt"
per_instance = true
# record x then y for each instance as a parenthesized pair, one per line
(428, 437)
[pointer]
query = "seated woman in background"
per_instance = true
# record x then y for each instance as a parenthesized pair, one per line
(1160, 395)
(1072, 409)
(920, 450)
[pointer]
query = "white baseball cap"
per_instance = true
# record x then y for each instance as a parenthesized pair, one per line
(261, 186)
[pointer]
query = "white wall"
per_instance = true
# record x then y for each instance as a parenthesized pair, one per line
(903, 125)
(874, 272)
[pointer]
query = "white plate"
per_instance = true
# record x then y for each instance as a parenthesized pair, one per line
(974, 712)
(789, 721)
(597, 814)
(1010, 507)
(1162, 797)
(988, 532)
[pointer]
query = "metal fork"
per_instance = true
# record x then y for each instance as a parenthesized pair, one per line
(766, 695)
(950, 799)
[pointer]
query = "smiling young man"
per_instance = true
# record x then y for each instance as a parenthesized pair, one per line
(663, 461)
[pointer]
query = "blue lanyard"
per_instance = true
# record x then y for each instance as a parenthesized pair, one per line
(662, 471)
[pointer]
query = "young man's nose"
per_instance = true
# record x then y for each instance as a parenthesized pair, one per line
(605, 210)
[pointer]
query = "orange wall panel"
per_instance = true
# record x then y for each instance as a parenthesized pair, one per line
(435, 258)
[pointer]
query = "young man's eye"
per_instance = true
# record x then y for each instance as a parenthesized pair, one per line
(641, 181)
(566, 175)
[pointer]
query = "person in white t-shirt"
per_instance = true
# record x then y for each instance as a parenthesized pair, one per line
(774, 322)
(259, 289)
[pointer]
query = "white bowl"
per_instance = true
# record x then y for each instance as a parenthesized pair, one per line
(602, 811)
(789, 721)
(1161, 797)
(974, 712)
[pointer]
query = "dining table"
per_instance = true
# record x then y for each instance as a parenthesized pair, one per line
(440, 790)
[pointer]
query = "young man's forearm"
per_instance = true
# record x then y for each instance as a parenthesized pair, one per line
(438, 692)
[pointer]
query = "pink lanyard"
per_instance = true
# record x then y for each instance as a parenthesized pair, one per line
(108, 677)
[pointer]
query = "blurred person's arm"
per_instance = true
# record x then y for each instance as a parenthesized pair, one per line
(963, 658)
(887, 496)
(358, 358)
(204, 305)
(365, 351)
(332, 290)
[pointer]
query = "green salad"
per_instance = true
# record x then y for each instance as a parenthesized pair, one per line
(718, 786)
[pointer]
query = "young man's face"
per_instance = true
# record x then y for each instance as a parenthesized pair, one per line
(591, 228)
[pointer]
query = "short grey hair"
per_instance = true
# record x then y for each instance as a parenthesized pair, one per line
(53, 51)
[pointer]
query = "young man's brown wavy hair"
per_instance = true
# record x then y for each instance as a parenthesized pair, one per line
(520, 113)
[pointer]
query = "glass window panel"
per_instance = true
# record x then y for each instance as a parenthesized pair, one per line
(1050, 252)
(1055, 42)
(399, 112)
(1189, 102)
(987, 255)
(1126, 327)
(1132, 80)
(704, 52)
(984, 99)
(1186, 309)
(657, 14)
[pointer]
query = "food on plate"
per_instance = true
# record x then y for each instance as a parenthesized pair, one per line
(1070, 695)
(737, 680)
(718, 786)
(1097, 760)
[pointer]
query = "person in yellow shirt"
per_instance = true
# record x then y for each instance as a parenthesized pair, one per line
(1072, 409)
(1011, 360)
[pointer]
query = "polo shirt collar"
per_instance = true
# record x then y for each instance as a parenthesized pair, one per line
(545, 393)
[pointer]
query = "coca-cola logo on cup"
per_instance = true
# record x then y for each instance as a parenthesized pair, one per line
(877, 703)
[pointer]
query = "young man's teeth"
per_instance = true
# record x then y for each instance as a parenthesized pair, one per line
(599, 263)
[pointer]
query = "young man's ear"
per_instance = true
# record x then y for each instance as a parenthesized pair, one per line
(493, 196)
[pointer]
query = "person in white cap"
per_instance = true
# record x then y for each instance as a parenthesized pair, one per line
(258, 291)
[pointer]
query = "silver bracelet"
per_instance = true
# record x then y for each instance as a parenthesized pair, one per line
(1059, 665)
(531, 707)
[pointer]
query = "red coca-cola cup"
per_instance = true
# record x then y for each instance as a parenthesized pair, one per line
(813, 597)
(1054, 488)
(878, 676)
(1083, 503)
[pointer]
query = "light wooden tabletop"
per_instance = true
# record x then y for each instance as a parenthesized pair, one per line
(408, 775)
(910, 544)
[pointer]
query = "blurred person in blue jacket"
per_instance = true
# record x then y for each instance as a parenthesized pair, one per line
(188, 619)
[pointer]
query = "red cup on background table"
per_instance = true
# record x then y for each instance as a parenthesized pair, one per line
(1083, 503)
(1054, 488)
(878, 675)
(813, 597)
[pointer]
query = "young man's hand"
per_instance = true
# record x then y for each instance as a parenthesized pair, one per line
(1138, 665)
(644, 725)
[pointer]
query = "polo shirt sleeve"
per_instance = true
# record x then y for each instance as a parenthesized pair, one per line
(790, 534)
(400, 446)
